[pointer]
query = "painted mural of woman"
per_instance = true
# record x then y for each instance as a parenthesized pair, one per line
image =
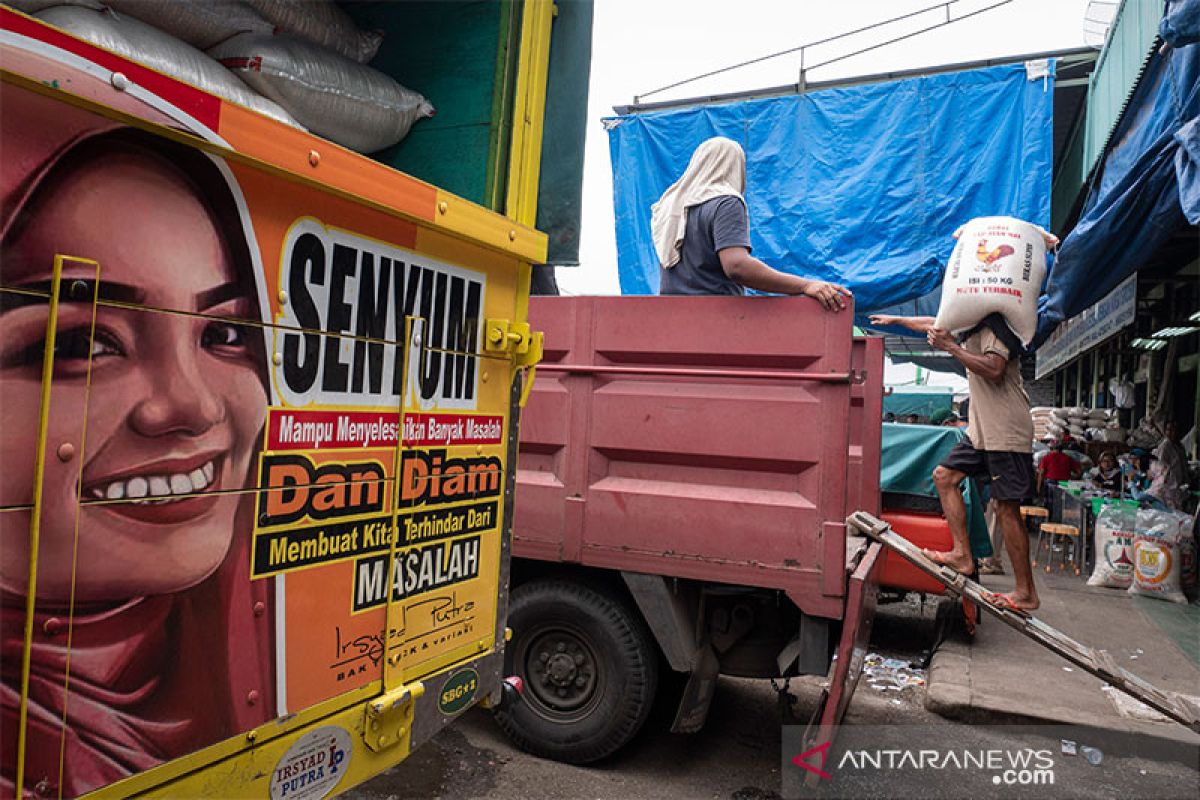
(170, 642)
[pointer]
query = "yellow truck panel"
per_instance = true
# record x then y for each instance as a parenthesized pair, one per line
(260, 396)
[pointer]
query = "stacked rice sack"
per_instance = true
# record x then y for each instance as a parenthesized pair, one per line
(1042, 420)
(1078, 422)
(302, 62)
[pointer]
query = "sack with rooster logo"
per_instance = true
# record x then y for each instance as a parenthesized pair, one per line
(997, 267)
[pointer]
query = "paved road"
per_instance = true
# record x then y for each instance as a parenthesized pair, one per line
(737, 755)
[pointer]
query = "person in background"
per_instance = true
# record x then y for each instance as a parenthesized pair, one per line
(1135, 470)
(951, 421)
(912, 419)
(701, 233)
(1106, 475)
(993, 564)
(997, 448)
(1173, 458)
(1056, 466)
(889, 417)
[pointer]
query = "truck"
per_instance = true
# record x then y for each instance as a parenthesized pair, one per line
(685, 470)
(260, 404)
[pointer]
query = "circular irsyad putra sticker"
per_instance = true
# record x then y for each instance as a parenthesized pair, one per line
(313, 765)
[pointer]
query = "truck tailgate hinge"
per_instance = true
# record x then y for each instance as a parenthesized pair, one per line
(389, 717)
(501, 336)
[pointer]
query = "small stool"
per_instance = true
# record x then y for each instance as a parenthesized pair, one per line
(1056, 530)
(1036, 513)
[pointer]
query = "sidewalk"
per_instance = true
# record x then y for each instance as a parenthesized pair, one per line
(1002, 672)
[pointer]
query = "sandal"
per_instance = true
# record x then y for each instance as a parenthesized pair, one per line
(1003, 602)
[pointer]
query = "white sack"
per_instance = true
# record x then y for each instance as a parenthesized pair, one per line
(1114, 547)
(157, 50)
(1187, 554)
(997, 266)
(34, 6)
(1156, 563)
(344, 101)
(323, 23)
(200, 23)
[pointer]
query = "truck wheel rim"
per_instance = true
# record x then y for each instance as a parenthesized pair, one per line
(561, 674)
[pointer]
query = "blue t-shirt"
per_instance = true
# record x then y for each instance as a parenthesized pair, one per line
(711, 227)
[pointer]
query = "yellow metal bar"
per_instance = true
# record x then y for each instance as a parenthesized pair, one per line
(35, 518)
(87, 395)
(529, 111)
(393, 674)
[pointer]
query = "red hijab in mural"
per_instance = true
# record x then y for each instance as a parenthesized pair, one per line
(150, 678)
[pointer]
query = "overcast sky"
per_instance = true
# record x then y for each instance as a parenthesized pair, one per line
(640, 45)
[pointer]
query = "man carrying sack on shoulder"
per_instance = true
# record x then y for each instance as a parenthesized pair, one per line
(998, 448)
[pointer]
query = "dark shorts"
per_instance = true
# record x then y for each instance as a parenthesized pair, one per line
(1011, 475)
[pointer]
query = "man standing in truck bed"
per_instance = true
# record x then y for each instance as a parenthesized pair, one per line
(998, 447)
(701, 233)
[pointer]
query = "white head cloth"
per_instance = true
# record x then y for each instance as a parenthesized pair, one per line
(717, 168)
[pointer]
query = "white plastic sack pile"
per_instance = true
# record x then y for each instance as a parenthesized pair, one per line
(157, 50)
(1156, 562)
(997, 266)
(323, 23)
(344, 101)
(34, 6)
(200, 23)
(1114, 547)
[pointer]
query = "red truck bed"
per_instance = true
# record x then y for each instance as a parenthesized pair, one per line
(713, 438)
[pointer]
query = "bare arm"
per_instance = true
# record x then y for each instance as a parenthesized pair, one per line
(989, 366)
(916, 324)
(746, 270)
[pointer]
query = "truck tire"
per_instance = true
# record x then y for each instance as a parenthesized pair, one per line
(590, 669)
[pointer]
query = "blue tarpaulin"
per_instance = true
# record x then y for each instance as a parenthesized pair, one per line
(910, 454)
(862, 185)
(1148, 185)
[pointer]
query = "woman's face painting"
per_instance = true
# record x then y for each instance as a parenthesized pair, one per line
(175, 406)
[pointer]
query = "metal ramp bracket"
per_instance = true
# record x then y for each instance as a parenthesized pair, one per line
(1177, 707)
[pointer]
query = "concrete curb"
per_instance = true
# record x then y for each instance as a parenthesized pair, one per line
(948, 694)
(948, 686)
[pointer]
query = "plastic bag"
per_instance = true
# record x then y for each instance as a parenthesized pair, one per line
(1156, 563)
(997, 266)
(1189, 572)
(323, 23)
(1114, 528)
(342, 100)
(150, 46)
(200, 23)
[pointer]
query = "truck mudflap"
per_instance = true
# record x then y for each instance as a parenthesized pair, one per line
(863, 561)
(1098, 662)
